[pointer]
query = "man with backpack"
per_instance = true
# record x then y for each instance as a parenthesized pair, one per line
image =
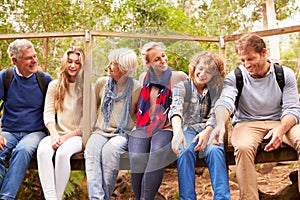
(22, 90)
(263, 110)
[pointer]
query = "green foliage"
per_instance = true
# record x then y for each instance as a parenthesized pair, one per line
(74, 187)
(290, 55)
(31, 187)
(180, 53)
(4, 58)
(285, 9)
(176, 195)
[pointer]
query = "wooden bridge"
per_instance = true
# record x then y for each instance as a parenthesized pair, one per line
(284, 153)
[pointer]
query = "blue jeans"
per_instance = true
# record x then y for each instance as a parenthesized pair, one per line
(214, 157)
(102, 158)
(22, 146)
(148, 157)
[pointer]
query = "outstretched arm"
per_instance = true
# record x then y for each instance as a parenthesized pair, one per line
(178, 136)
(217, 135)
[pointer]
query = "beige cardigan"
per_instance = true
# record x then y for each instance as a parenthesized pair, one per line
(70, 118)
(116, 110)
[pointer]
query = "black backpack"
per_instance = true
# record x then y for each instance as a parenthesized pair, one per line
(9, 75)
(239, 81)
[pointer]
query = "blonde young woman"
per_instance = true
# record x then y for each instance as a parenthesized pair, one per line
(149, 145)
(116, 102)
(62, 117)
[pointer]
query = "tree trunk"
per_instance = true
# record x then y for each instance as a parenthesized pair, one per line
(271, 24)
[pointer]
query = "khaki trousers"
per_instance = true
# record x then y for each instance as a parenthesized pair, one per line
(246, 137)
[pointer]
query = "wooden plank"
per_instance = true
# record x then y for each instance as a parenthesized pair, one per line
(41, 35)
(285, 153)
(265, 33)
(157, 36)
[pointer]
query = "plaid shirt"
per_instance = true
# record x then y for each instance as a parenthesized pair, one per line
(196, 111)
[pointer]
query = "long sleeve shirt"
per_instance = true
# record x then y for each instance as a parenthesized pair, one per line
(117, 108)
(261, 97)
(197, 111)
(68, 119)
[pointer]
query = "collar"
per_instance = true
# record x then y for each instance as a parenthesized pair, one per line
(271, 69)
(19, 74)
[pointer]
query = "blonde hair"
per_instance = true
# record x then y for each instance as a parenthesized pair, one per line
(149, 46)
(209, 60)
(126, 59)
(63, 78)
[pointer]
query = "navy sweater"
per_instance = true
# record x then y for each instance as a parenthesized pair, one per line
(23, 108)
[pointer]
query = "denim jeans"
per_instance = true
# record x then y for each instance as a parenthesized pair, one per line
(148, 157)
(102, 158)
(214, 157)
(22, 145)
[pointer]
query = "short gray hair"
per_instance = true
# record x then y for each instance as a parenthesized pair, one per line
(15, 48)
(149, 46)
(126, 59)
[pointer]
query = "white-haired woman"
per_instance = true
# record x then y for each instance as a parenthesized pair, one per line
(62, 117)
(116, 102)
(149, 145)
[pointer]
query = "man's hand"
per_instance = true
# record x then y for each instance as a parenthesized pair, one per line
(217, 135)
(3, 142)
(202, 138)
(177, 139)
(276, 136)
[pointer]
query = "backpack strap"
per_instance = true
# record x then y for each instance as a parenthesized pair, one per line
(188, 94)
(42, 81)
(188, 90)
(239, 84)
(8, 76)
(279, 77)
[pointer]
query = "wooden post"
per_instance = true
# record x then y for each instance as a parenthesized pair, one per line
(273, 40)
(46, 54)
(222, 51)
(87, 86)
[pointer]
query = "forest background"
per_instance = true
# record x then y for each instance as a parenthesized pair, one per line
(181, 17)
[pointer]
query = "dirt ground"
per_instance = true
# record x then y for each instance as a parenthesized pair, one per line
(272, 178)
